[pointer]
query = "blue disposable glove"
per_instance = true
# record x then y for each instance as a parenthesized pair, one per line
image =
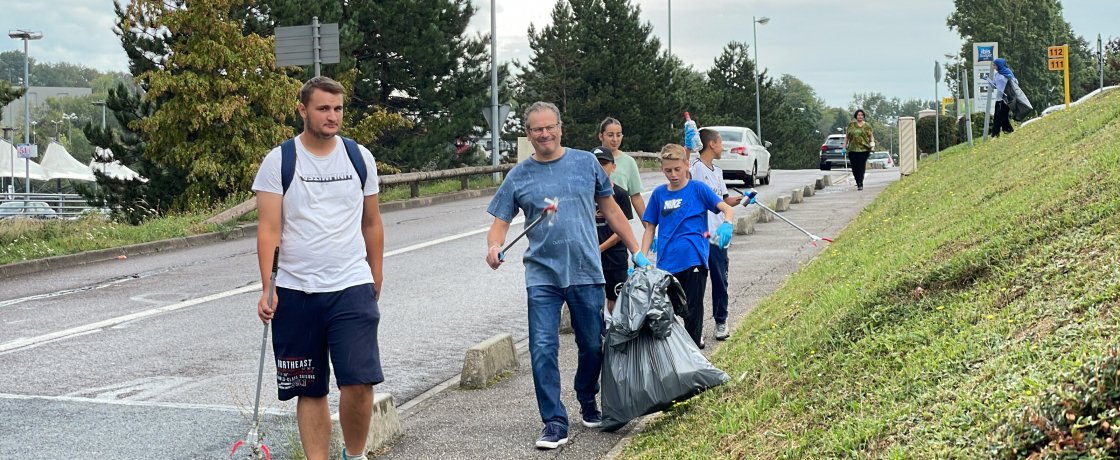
(641, 261)
(843, 151)
(653, 246)
(723, 232)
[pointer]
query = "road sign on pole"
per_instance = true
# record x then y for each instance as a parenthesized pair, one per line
(1057, 58)
(311, 44)
(503, 112)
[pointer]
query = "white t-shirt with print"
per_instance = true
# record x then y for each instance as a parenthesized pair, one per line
(322, 248)
(713, 178)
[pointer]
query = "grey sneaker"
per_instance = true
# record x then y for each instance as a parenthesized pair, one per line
(721, 331)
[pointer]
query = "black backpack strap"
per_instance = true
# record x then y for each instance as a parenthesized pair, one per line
(287, 163)
(356, 159)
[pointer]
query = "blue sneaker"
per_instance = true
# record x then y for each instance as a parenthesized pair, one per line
(552, 436)
(591, 417)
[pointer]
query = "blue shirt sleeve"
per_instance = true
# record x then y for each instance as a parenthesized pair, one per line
(504, 204)
(710, 199)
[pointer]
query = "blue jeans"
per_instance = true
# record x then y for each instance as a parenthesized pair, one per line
(717, 270)
(585, 303)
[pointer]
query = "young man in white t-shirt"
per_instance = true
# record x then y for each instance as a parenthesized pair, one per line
(704, 169)
(332, 244)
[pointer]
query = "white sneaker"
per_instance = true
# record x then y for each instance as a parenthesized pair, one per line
(722, 332)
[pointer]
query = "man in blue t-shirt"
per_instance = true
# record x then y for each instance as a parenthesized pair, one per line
(678, 214)
(562, 263)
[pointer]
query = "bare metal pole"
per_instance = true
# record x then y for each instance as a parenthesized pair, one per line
(315, 40)
(495, 123)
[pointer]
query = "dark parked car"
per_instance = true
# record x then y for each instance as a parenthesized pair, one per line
(832, 154)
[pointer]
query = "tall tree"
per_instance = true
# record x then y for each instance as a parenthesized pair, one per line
(1024, 28)
(598, 59)
(223, 104)
(8, 93)
(414, 61)
(135, 200)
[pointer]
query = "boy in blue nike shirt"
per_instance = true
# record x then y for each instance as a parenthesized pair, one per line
(680, 208)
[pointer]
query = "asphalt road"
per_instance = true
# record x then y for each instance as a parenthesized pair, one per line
(157, 354)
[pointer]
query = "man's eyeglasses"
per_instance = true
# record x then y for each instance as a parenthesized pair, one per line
(552, 129)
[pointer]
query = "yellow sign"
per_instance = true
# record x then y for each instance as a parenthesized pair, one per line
(1056, 52)
(1056, 64)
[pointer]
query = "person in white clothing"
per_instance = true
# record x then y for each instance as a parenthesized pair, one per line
(324, 217)
(704, 169)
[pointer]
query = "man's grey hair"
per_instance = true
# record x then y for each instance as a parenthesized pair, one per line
(540, 106)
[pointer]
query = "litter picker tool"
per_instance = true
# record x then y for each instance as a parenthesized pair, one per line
(751, 199)
(257, 449)
(548, 210)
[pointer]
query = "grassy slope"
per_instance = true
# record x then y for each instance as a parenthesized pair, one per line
(1016, 248)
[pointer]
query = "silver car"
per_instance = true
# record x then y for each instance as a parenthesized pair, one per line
(27, 210)
(745, 158)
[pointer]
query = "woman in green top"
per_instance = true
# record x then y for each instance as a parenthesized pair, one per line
(859, 140)
(626, 174)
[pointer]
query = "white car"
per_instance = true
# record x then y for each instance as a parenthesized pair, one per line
(744, 156)
(882, 160)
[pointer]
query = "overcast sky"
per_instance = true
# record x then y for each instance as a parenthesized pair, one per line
(810, 39)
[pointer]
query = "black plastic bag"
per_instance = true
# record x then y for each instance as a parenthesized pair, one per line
(646, 369)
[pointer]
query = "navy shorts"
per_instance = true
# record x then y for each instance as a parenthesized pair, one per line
(614, 278)
(310, 328)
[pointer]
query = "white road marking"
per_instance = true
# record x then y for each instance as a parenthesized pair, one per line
(24, 342)
(165, 405)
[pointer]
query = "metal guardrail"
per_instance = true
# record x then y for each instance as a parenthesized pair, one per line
(414, 179)
(65, 205)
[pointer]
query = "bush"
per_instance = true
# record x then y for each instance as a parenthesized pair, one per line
(977, 128)
(1079, 419)
(925, 133)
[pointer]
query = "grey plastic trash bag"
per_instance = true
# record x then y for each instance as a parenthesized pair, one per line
(646, 365)
(1017, 103)
(647, 300)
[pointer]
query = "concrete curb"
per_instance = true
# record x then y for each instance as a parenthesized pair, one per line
(797, 195)
(82, 258)
(487, 360)
(384, 424)
(744, 225)
(809, 191)
(783, 202)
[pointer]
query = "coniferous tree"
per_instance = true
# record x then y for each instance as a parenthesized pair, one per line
(1024, 29)
(417, 70)
(598, 59)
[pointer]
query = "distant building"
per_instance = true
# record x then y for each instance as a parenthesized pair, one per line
(38, 96)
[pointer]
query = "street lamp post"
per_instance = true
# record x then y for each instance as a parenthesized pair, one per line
(26, 35)
(69, 132)
(757, 108)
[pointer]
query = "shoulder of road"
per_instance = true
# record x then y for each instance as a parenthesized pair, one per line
(489, 410)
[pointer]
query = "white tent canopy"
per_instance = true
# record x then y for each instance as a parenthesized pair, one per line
(60, 165)
(114, 168)
(18, 169)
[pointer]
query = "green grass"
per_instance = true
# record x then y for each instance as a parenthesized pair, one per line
(22, 240)
(963, 295)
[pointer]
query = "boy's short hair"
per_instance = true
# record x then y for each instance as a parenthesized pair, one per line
(672, 152)
(707, 135)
